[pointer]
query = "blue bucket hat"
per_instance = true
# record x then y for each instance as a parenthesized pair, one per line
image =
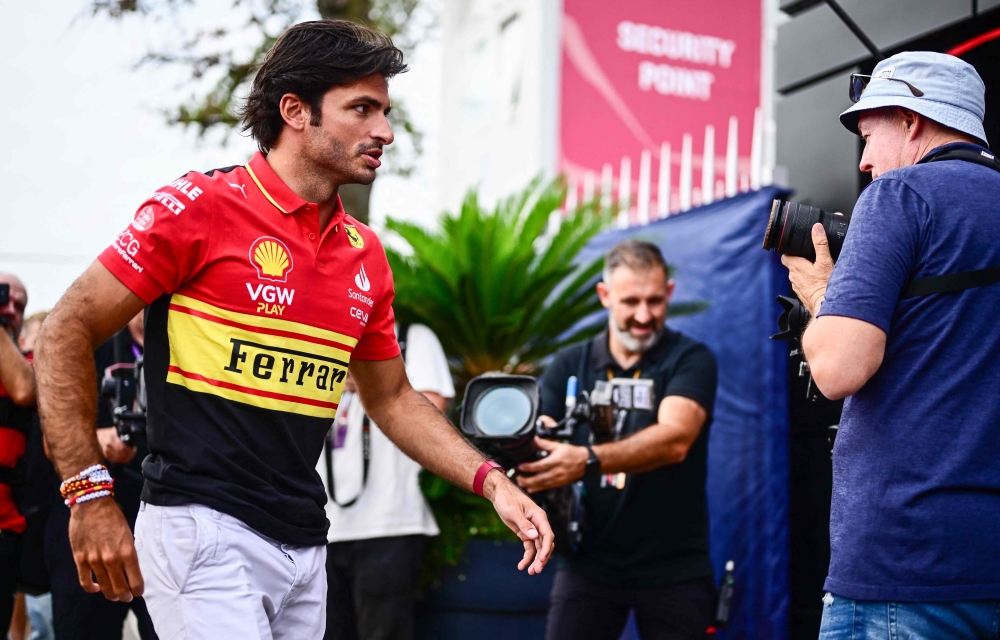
(953, 93)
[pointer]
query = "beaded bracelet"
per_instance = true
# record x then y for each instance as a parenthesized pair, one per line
(91, 483)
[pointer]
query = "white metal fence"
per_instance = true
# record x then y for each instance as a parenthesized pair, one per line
(721, 177)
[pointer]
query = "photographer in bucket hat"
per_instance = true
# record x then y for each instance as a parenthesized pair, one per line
(905, 330)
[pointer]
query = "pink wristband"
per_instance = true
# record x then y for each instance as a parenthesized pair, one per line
(484, 468)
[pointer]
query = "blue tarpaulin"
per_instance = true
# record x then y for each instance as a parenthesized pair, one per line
(716, 252)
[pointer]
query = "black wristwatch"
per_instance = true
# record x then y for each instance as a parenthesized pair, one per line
(593, 467)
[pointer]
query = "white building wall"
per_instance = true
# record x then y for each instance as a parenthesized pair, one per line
(500, 96)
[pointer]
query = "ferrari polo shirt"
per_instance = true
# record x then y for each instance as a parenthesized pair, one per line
(254, 316)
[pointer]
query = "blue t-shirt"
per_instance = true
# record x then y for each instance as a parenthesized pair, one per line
(916, 465)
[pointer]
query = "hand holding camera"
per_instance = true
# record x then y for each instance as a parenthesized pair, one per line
(809, 279)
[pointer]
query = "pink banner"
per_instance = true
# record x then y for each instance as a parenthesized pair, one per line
(641, 73)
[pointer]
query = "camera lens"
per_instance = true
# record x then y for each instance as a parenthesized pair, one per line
(789, 229)
(503, 411)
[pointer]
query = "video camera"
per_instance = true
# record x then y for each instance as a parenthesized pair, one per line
(124, 388)
(4, 299)
(500, 416)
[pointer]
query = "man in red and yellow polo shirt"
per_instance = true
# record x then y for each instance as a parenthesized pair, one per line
(261, 292)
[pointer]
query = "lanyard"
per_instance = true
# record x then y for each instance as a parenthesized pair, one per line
(366, 454)
(635, 376)
(617, 480)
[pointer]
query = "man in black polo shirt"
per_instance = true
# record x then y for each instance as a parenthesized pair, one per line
(647, 541)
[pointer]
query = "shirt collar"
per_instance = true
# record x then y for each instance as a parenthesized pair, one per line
(601, 358)
(274, 189)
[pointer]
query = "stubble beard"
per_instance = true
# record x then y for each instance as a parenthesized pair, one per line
(331, 156)
(633, 344)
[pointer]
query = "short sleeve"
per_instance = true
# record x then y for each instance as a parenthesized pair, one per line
(167, 242)
(695, 378)
(378, 342)
(879, 255)
(426, 365)
(554, 383)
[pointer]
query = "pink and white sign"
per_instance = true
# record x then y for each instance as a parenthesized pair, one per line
(639, 76)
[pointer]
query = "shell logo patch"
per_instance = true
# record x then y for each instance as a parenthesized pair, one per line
(355, 238)
(271, 258)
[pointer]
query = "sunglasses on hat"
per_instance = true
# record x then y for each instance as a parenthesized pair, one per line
(859, 82)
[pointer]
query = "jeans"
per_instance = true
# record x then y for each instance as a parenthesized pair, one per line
(40, 613)
(846, 619)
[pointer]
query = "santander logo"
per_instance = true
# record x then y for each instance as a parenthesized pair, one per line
(361, 279)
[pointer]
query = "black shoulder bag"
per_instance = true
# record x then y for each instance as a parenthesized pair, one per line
(955, 282)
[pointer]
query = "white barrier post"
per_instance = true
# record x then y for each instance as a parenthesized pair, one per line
(642, 206)
(708, 167)
(732, 158)
(571, 201)
(607, 179)
(588, 187)
(625, 192)
(756, 150)
(663, 184)
(685, 179)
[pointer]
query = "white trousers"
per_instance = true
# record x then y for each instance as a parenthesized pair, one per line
(209, 576)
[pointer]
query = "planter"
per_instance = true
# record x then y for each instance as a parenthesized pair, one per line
(486, 596)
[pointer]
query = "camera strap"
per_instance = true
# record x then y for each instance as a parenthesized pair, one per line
(366, 456)
(403, 331)
(955, 282)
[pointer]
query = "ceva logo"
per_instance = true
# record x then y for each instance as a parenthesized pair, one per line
(361, 279)
(271, 258)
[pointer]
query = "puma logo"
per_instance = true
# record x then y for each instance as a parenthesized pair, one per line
(240, 187)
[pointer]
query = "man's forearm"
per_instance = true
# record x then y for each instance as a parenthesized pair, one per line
(653, 447)
(424, 434)
(67, 399)
(15, 373)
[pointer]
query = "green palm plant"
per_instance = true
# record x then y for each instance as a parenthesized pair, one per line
(500, 293)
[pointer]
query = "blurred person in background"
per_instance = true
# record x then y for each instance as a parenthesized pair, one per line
(905, 329)
(17, 397)
(38, 490)
(378, 532)
(29, 331)
(647, 544)
(80, 615)
(248, 272)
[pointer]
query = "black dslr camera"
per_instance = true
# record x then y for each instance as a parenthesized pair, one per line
(4, 299)
(124, 388)
(500, 416)
(789, 232)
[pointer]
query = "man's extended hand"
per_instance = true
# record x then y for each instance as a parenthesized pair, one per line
(525, 518)
(809, 279)
(103, 548)
(565, 463)
(112, 447)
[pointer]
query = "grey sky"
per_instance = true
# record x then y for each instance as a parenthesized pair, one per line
(85, 142)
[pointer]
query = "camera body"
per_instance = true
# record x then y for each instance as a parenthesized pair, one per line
(124, 388)
(500, 416)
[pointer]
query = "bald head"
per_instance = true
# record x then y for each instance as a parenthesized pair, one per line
(12, 313)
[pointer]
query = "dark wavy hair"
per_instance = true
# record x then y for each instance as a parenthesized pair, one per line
(307, 60)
